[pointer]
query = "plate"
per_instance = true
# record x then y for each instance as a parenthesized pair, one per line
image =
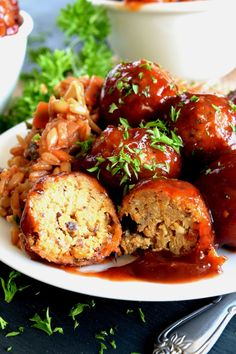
(95, 286)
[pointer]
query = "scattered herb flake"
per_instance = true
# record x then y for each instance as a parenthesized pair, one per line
(194, 98)
(174, 114)
(102, 348)
(9, 349)
(75, 311)
(216, 108)
(112, 107)
(140, 75)
(45, 325)
(3, 323)
(135, 88)
(10, 288)
(36, 138)
(141, 314)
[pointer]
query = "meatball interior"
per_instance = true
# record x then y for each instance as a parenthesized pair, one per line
(165, 215)
(69, 219)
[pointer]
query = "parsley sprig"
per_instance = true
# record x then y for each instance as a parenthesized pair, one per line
(45, 324)
(86, 27)
(10, 288)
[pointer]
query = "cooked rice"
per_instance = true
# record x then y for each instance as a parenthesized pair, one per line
(72, 117)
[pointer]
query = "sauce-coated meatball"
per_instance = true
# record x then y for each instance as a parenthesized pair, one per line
(218, 186)
(206, 124)
(123, 156)
(135, 91)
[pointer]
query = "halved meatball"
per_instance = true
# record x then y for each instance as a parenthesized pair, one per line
(165, 215)
(69, 219)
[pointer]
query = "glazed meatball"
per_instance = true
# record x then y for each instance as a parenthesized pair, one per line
(206, 124)
(218, 186)
(135, 91)
(165, 215)
(68, 219)
(123, 156)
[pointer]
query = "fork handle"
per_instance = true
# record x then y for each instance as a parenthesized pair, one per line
(197, 332)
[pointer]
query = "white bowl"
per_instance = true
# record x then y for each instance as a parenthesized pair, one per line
(12, 54)
(193, 40)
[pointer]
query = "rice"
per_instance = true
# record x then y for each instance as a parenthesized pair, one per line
(46, 150)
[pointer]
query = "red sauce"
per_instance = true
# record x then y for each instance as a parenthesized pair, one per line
(9, 17)
(162, 268)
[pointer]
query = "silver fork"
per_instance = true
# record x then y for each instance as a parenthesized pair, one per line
(198, 332)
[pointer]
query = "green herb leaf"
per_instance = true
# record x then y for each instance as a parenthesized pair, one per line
(10, 288)
(3, 323)
(141, 314)
(75, 311)
(45, 325)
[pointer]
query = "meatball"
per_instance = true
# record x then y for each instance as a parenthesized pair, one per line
(135, 91)
(218, 186)
(206, 124)
(165, 215)
(123, 156)
(68, 219)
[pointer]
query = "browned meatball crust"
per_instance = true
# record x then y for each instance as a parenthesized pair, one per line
(165, 215)
(122, 156)
(69, 219)
(206, 124)
(135, 91)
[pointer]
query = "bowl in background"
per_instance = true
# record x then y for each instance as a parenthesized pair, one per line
(193, 40)
(12, 54)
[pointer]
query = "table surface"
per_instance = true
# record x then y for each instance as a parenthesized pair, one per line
(131, 334)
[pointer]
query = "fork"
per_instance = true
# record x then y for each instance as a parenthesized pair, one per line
(197, 332)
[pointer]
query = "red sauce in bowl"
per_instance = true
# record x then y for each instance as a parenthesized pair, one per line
(9, 17)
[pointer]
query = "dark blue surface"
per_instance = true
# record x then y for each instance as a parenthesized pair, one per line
(132, 335)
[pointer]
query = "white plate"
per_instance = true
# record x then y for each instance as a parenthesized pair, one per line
(125, 290)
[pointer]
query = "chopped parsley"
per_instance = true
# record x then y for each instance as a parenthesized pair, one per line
(194, 98)
(45, 325)
(174, 114)
(147, 65)
(15, 333)
(86, 27)
(112, 107)
(141, 314)
(216, 108)
(232, 106)
(3, 323)
(77, 310)
(10, 288)
(105, 339)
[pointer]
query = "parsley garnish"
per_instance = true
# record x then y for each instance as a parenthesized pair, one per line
(45, 325)
(84, 146)
(232, 106)
(112, 107)
(104, 339)
(15, 333)
(3, 323)
(141, 314)
(174, 114)
(147, 65)
(80, 20)
(10, 288)
(77, 310)
(194, 98)
(216, 108)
